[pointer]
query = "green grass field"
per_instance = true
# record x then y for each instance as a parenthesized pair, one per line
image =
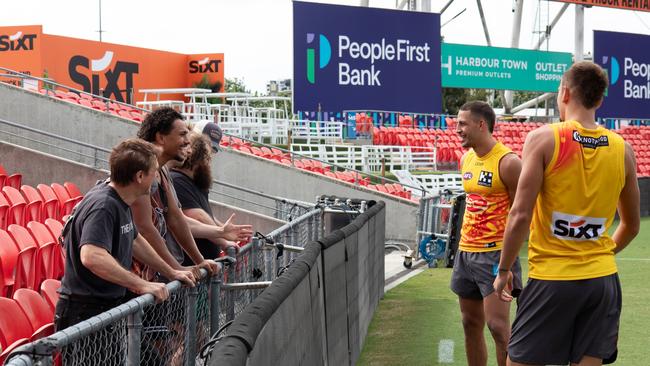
(413, 317)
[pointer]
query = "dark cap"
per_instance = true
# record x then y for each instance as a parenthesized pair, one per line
(212, 131)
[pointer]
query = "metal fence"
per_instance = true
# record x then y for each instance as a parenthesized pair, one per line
(142, 332)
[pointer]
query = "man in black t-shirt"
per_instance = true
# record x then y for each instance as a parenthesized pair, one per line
(100, 241)
(192, 182)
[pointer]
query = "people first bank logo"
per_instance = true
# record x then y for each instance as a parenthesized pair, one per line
(17, 42)
(324, 55)
(635, 76)
(372, 56)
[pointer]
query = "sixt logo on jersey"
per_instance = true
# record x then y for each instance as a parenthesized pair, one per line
(203, 66)
(112, 76)
(577, 228)
(17, 42)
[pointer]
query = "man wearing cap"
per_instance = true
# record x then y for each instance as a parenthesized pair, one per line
(192, 182)
(159, 217)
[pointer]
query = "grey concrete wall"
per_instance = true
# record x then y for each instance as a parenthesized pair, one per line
(263, 224)
(266, 176)
(97, 128)
(37, 167)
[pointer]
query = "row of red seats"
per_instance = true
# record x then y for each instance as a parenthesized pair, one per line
(27, 316)
(89, 101)
(37, 204)
(13, 180)
(283, 158)
(394, 189)
(29, 255)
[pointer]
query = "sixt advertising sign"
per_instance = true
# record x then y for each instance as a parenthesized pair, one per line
(365, 58)
(465, 66)
(627, 61)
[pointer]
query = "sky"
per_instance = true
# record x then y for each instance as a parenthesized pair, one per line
(256, 35)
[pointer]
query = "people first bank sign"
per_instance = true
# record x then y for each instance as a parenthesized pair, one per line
(626, 58)
(365, 58)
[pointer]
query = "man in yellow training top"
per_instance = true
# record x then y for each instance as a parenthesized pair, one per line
(490, 172)
(574, 176)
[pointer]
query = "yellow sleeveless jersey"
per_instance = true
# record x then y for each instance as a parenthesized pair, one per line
(487, 201)
(576, 205)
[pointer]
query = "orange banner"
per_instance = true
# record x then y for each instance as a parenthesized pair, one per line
(637, 5)
(114, 71)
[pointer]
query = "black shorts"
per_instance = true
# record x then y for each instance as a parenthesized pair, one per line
(559, 322)
(474, 274)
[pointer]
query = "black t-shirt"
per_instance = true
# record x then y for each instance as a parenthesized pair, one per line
(104, 220)
(190, 196)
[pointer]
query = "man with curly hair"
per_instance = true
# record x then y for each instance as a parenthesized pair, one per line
(159, 217)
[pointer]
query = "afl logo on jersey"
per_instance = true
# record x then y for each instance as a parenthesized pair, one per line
(476, 203)
(467, 176)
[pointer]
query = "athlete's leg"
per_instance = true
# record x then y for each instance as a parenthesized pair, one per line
(473, 324)
(497, 317)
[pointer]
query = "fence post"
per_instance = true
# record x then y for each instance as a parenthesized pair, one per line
(230, 299)
(215, 298)
(253, 263)
(134, 335)
(190, 331)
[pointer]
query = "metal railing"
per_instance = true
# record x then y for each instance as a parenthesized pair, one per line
(49, 85)
(173, 332)
(83, 153)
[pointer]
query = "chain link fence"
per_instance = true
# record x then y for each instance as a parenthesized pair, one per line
(142, 332)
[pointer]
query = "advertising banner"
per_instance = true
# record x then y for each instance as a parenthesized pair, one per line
(636, 5)
(347, 57)
(465, 66)
(626, 58)
(112, 70)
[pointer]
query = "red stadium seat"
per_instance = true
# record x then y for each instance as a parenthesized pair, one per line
(49, 292)
(49, 257)
(25, 273)
(38, 312)
(15, 329)
(8, 261)
(13, 180)
(73, 190)
(16, 212)
(51, 205)
(4, 207)
(66, 203)
(34, 208)
(55, 227)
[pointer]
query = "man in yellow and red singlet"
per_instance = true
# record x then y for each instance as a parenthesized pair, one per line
(490, 172)
(574, 176)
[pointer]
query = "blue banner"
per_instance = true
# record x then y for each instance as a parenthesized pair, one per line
(626, 58)
(350, 58)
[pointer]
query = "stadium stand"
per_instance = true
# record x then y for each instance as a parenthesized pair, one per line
(49, 292)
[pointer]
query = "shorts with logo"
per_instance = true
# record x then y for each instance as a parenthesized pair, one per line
(559, 322)
(474, 274)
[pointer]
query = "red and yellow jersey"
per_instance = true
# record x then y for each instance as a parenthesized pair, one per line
(577, 204)
(487, 201)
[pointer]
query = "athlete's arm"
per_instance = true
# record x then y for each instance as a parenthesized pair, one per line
(200, 215)
(628, 204)
(537, 149)
(509, 171)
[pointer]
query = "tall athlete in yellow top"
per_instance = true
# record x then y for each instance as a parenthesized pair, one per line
(490, 171)
(574, 176)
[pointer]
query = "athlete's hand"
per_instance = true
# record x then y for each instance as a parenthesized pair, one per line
(503, 286)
